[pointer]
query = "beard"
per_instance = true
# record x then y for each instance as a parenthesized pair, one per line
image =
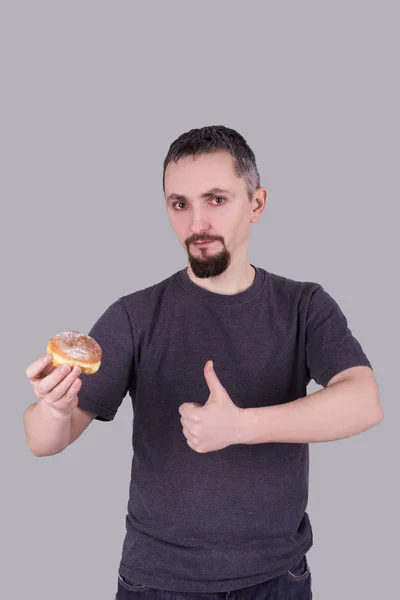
(206, 265)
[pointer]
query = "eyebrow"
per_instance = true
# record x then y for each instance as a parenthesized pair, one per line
(203, 195)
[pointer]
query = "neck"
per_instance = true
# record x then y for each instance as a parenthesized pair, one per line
(236, 279)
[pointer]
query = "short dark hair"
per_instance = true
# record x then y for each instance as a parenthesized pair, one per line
(212, 139)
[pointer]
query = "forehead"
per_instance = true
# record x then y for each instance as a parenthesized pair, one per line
(193, 176)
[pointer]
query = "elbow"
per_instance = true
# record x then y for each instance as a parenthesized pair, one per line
(378, 411)
(35, 451)
(373, 408)
(379, 417)
(40, 452)
(376, 417)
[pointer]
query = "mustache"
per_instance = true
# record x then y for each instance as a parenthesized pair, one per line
(201, 239)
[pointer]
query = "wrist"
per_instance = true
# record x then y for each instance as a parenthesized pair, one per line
(244, 429)
(50, 409)
(250, 423)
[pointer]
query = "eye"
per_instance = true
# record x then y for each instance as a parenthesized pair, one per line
(219, 198)
(213, 198)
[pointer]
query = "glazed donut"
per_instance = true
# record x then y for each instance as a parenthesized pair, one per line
(74, 348)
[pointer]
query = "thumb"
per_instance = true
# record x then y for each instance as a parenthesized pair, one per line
(214, 384)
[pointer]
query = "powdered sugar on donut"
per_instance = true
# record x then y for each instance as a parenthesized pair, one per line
(76, 345)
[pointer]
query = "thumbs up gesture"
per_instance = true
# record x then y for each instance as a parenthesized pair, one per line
(215, 425)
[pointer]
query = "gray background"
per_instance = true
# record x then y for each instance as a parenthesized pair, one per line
(92, 94)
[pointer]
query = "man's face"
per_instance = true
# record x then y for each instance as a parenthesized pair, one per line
(222, 217)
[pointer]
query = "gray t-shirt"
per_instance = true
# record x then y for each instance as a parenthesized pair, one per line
(232, 518)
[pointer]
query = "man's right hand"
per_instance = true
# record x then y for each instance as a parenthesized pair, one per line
(57, 387)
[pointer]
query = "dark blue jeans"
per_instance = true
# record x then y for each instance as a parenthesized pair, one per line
(295, 584)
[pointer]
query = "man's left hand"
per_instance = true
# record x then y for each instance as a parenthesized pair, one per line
(215, 425)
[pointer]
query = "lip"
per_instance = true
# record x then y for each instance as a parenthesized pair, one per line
(203, 243)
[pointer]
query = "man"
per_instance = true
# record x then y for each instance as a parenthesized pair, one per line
(217, 358)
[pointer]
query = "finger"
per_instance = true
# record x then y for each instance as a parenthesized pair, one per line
(65, 385)
(74, 386)
(34, 370)
(69, 399)
(46, 371)
(189, 434)
(192, 445)
(58, 381)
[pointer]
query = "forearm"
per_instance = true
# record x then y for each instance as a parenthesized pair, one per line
(46, 432)
(338, 411)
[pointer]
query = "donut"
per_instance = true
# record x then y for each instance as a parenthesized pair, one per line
(75, 348)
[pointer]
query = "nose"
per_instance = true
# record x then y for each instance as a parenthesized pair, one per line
(199, 224)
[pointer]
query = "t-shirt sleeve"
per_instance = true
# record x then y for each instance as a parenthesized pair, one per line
(330, 344)
(103, 391)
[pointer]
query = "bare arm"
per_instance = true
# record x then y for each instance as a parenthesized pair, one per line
(48, 432)
(348, 405)
(55, 420)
